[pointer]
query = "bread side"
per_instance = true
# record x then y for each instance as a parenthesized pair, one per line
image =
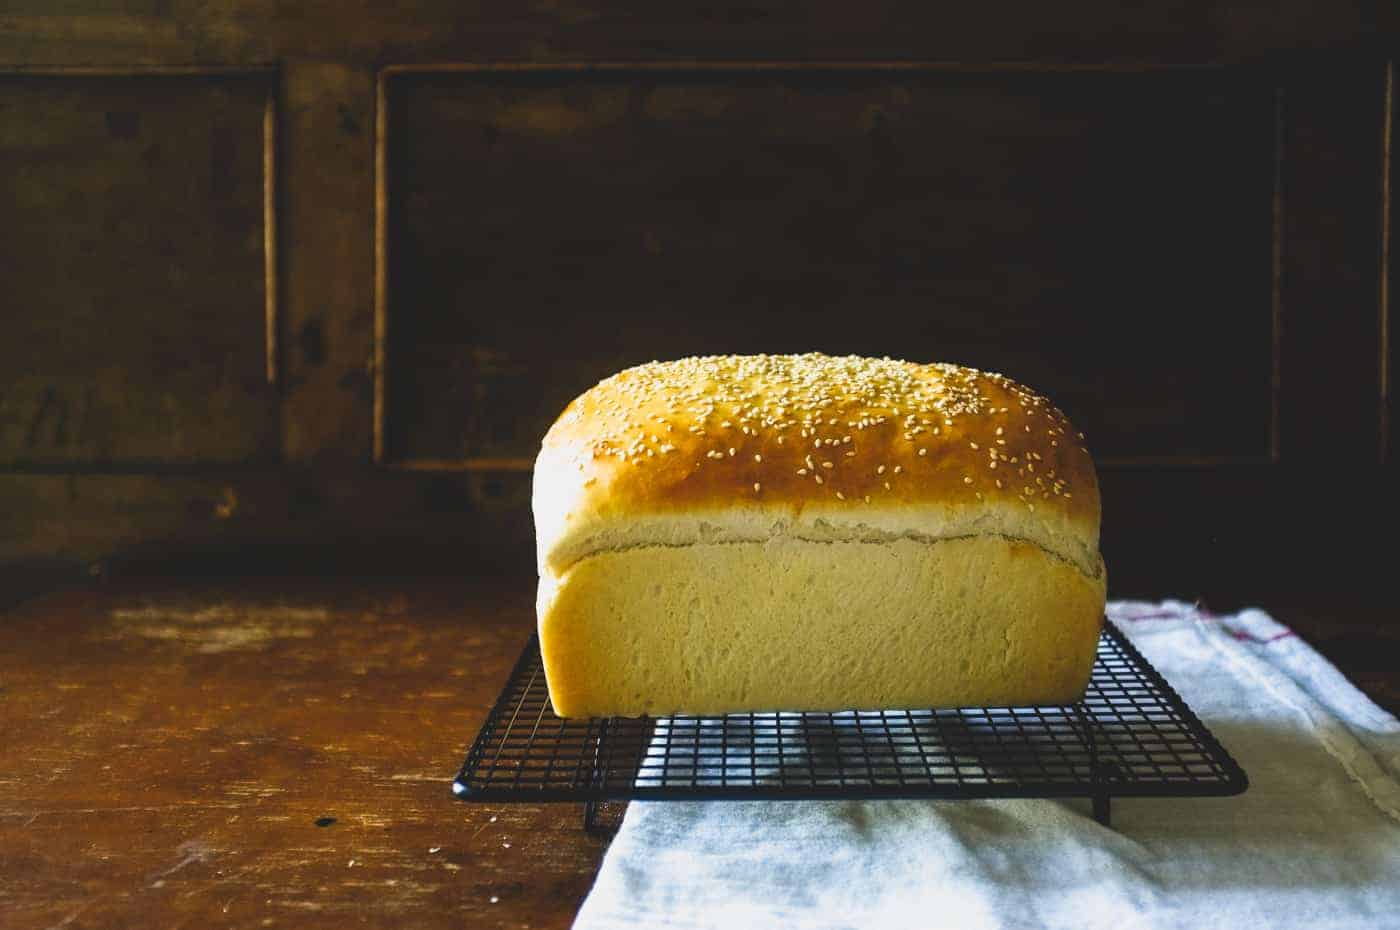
(794, 624)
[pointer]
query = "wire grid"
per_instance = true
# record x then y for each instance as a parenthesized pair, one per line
(1131, 735)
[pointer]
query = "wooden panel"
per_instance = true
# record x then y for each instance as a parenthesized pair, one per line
(1103, 237)
(1330, 265)
(360, 31)
(133, 270)
(1389, 357)
(328, 214)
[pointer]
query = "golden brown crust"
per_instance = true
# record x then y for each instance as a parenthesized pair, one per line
(789, 434)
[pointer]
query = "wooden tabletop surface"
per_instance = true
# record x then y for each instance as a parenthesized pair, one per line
(278, 753)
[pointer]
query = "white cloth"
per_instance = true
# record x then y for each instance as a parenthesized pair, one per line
(1314, 842)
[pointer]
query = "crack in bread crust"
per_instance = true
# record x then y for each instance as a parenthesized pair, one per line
(874, 537)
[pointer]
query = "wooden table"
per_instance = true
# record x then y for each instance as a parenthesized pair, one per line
(278, 753)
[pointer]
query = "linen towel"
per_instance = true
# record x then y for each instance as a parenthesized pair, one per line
(1314, 842)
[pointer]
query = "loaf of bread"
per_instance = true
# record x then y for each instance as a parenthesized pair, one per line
(806, 532)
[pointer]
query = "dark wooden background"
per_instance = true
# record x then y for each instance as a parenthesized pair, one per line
(293, 289)
(301, 286)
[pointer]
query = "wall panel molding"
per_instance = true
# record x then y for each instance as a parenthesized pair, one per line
(157, 227)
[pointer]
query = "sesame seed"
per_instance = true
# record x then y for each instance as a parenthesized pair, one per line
(898, 469)
(880, 470)
(802, 471)
(731, 451)
(867, 498)
(923, 452)
(757, 457)
(967, 479)
(755, 487)
(887, 485)
(973, 445)
(819, 479)
(828, 465)
(840, 495)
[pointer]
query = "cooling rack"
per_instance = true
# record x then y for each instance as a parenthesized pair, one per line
(1131, 736)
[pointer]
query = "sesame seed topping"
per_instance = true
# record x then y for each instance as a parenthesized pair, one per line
(647, 413)
(755, 487)
(819, 479)
(840, 495)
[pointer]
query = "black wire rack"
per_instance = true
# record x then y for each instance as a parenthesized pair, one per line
(1131, 736)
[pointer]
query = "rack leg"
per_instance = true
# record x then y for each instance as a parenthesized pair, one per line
(1101, 812)
(1099, 799)
(590, 808)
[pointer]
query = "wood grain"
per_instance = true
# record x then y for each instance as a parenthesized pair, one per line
(274, 755)
(90, 31)
(264, 753)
